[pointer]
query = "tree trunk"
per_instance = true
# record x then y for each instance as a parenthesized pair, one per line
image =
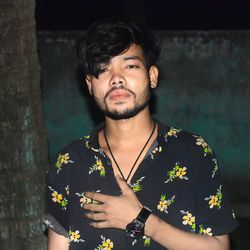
(23, 146)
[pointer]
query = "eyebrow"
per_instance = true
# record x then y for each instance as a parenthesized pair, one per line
(126, 58)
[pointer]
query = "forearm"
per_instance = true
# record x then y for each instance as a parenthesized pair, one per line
(56, 241)
(175, 239)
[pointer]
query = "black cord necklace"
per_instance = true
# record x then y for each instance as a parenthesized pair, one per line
(109, 148)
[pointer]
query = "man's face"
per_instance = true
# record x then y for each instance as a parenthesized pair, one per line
(122, 89)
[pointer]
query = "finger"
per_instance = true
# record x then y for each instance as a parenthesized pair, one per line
(123, 185)
(94, 207)
(96, 196)
(101, 224)
(96, 216)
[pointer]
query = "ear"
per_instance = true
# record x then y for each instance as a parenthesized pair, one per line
(89, 83)
(153, 75)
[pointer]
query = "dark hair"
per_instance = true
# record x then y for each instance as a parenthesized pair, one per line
(109, 38)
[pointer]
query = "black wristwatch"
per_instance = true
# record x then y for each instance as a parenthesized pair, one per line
(135, 229)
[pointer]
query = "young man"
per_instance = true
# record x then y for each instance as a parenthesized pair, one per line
(133, 183)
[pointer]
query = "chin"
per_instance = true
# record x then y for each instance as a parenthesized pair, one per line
(125, 114)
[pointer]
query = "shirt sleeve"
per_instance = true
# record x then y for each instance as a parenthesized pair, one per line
(57, 194)
(214, 215)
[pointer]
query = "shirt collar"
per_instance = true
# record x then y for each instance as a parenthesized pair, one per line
(162, 129)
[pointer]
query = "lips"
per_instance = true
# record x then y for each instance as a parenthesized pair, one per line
(119, 95)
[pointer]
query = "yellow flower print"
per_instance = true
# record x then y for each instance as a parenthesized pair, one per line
(178, 171)
(207, 231)
(181, 172)
(98, 166)
(89, 145)
(164, 204)
(155, 151)
(215, 200)
(85, 200)
(173, 132)
(62, 159)
(74, 236)
(201, 142)
(57, 197)
(107, 244)
(137, 186)
(188, 219)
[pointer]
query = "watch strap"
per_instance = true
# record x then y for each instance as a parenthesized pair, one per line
(144, 214)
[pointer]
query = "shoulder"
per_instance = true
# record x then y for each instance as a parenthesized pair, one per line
(185, 141)
(71, 148)
(77, 150)
(192, 151)
(86, 142)
(69, 154)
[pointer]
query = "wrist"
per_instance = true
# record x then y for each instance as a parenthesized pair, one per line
(135, 229)
(152, 223)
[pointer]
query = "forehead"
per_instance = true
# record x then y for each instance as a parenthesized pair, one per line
(134, 52)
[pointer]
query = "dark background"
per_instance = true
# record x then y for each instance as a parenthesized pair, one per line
(157, 14)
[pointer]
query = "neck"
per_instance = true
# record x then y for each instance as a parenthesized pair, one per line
(128, 136)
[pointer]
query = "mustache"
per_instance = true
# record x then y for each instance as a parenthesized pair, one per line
(117, 88)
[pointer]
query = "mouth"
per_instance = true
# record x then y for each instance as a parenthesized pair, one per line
(119, 95)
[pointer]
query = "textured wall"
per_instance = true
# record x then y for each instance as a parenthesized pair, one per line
(204, 88)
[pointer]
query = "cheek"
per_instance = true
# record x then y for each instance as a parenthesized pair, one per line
(140, 84)
(98, 94)
(99, 87)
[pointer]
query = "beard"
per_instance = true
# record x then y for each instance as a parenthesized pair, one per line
(129, 112)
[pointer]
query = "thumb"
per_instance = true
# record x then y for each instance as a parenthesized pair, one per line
(122, 184)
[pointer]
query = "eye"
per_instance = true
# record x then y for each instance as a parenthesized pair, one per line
(132, 66)
(103, 70)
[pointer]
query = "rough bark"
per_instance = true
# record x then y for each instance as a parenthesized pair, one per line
(23, 147)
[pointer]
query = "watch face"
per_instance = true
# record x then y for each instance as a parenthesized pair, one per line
(135, 229)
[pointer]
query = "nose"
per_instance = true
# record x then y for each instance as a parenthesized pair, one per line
(117, 79)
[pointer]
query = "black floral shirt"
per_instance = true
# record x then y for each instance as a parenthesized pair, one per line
(179, 180)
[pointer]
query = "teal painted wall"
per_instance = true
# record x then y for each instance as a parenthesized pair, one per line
(204, 87)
